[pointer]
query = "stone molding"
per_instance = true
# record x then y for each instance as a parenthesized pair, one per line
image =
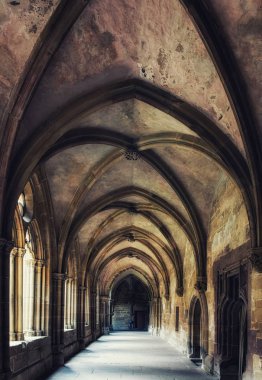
(59, 276)
(180, 291)
(201, 286)
(18, 252)
(39, 263)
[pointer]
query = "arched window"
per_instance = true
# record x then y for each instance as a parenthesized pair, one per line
(70, 298)
(27, 275)
(28, 286)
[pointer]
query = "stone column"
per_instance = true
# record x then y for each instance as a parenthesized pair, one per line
(111, 313)
(104, 311)
(73, 306)
(58, 287)
(154, 315)
(39, 264)
(44, 306)
(5, 249)
(31, 310)
(81, 315)
(19, 293)
(158, 307)
(93, 315)
(68, 303)
(12, 295)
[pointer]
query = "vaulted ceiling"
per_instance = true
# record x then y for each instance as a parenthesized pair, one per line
(133, 115)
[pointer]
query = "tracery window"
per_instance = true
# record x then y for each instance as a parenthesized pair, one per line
(28, 286)
(27, 273)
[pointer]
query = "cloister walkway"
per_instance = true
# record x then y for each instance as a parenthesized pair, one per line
(130, 355)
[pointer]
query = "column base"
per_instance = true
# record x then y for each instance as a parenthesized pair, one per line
(20, 336)
(12, 336)
(58, 356)
(81, 344)
(30, 333)
(105, 330)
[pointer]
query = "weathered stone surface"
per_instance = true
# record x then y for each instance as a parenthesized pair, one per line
(130, 41)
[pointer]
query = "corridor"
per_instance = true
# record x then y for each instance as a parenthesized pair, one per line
(130, 355)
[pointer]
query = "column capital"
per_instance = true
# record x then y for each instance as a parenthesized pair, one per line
(59, 276)
(104, 298)
(19, 252)
(82, 288)
(200, 285)
(39, 263)
(180, 291)
(255, 256)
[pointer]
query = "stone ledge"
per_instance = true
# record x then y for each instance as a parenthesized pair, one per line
(28, 353)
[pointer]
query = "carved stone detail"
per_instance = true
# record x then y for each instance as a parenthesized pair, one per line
(59, 276)
(256, 258)
(131, 154)
(130, 237)
(201, 286)
(180, 291)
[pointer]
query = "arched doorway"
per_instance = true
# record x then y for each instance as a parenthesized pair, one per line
(195, 330)
(130, 301)
(232, 331)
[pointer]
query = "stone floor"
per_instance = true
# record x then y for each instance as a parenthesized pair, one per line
(130, 355)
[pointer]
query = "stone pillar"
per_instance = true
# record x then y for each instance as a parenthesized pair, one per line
(93, 315)
(83, 295)
(158, 308)
(155, 315)
(12, 296)
(39, 264)
(73, 305)
(68, 303)
(81, 315)
(31, 297)
(58, 287)
(5, 249)
(19, 293)
(44, 307)
(111, 312)
(105, 312)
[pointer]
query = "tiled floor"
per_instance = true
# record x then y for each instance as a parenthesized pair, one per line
(130, 355)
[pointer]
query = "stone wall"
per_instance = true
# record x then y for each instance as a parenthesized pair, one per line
(31, 357)
(122, 316)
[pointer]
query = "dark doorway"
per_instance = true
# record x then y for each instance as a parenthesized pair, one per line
(196, 331)
(232, 331)
(140, 320)
(130, 305)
